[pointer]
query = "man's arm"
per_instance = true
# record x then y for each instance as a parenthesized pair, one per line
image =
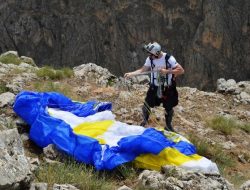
(134, 73)
(177, 70)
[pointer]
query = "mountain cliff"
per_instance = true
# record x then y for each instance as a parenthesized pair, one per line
(209, 38)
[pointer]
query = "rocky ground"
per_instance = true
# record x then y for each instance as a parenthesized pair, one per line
(232, 100)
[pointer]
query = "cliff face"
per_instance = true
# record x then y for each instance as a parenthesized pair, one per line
(209, 38)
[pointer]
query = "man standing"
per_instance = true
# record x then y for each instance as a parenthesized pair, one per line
(162, 89)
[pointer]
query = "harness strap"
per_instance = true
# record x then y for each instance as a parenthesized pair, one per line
(168, 66)
(152, 67)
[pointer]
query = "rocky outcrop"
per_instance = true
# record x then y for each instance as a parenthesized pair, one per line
(14, 167)
(93, 73)
(209, 38)
(245, 186)
(240, 90)
(16, 71)
(176, 178)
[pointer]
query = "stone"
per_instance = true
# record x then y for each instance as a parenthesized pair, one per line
(13, 160)
(6, 98)
(51, 152)
(124, 187)
(28, 60)
(245, 186)
(38, 186)
(173, 177)
(64, 187)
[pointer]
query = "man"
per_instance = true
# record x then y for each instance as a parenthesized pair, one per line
(164, 70)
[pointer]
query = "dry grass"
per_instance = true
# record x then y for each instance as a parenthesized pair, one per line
(227, 125)
(213, 152)
(85, 176)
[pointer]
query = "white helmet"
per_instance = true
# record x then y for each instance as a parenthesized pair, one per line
(153, 48)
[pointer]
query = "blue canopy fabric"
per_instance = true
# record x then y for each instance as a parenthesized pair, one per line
(89, 133)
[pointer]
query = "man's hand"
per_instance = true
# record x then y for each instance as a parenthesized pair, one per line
(128, 75)
(164, 71)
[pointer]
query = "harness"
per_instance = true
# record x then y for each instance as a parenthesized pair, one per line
(168, 66)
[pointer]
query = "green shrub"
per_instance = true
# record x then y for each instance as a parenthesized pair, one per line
(46, 72)
(10, 58)
(50, 73)
(67, 72)
(59, 74)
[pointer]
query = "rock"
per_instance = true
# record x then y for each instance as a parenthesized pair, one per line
(51, 152)
(28, 60)
(173, 177)
(143, 79)
(242, 159)
(83, 90)
(245, 186)
(221, 85)
(124, 187)
(6, 98)
(13, 160)
(64, 187)
(10, 53)
(25, 137)
(228, 86)
(245, 97)
(17, 83)
(34, 162)
(125, 96)
(228, 145)
(38, 186)
(92, 73)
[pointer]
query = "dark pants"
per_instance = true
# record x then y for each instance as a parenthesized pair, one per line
(169, 100)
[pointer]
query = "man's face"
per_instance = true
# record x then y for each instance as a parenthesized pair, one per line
(152, 56)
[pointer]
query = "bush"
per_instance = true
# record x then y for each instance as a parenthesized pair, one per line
(49, 73)
(10, 58)
(67, 72)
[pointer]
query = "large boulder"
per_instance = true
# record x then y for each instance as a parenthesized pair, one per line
(93, 73)
(14, 167)
(240, 90)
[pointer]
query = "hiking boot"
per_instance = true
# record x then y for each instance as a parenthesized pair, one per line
(168, 119)
(169, 129)
(143, 124)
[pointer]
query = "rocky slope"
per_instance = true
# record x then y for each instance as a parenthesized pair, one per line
(93, 82)
(209, 38)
